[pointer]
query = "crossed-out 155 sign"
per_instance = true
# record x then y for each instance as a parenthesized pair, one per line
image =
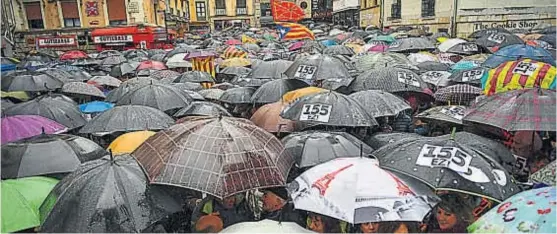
(449, 157)
(305, 72)
(316, 112)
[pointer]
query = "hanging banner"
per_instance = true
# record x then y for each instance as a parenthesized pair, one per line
(58, 41)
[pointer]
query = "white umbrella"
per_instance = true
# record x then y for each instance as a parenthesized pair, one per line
(335, 32)
(265, 226)
(177, 60)
(446, 45)
(357, 190)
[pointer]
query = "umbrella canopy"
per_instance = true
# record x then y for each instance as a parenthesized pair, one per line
(48, 106)
(449, 43)
(273, 91)
(468, 76)
(86, 62)
(202, 108)
(95, 107)
(298, 93)
(432, 66)
(128, 142)
(461, 94)
(30, 81)
(105, 195)
(235, 62)
(381, 139)
(105, 80)
(311, 148)
(24, 126)
(116, 94)
(195, 77)
(411, 45)
(526, 109)
(126, 68)
(78, 75)
(188, 86)
(159, 96)
(329, 108)
(265, 226)
(108, 53)
(392, 80)
(212, 94)
(268, 118)
(487, 32)
(21, 199)
(420, 57)
(269, 69)
(128, 118)
(113, 60)
(436, 78)
(158, 57)
(519, 74)
(448, 114)
(379, 60)
(446, 164)
(164, 74)
(73, 54)
(177, 60)
(468, 48)
(200, 54)
(80, 88)
(236, 71)
(178, 50)
(498, 40)
(59, 74)
(135, 53)
(380, 103)
(545, 175)
(517, 52)
(47, 155)
(318, 68)
(241, 95)
(150, 64)
(254, 157)
(18, 95)
(338, 50)
(531, 211)
(346, 189)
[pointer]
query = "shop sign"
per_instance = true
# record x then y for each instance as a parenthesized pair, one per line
(61, 41)
(507, 24)
(113, 39)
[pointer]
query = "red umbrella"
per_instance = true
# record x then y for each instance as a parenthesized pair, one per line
(378, 48)
(233, 42)
(296, 46)
(150, 64)
(73, 54)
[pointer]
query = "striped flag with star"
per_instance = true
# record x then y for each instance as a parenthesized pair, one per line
(293, 31)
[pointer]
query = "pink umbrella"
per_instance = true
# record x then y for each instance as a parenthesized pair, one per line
(24, 126)
(73, 54)
(150, 64)
(296, 46)
(233, 42)
(378, 48)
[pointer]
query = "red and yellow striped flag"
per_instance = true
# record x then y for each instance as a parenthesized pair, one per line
(205, 64)
(234, 52)
(525, 73)
(293, 31)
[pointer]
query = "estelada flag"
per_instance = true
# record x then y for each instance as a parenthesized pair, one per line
(247, 39)
(512, 75)
(234, 52)
(293, 31)
(286, 11)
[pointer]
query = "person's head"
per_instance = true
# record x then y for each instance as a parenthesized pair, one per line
(452, 210)
(322, 224)
(390, 227)
(229, 202)
(209, 224)
(369, 227)
(274, 199)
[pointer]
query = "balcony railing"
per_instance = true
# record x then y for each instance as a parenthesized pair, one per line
(241, 11)
(220, 11)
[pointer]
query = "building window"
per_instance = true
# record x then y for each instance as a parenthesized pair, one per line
(395, 10)
(241, 3)
(428, 8)
(220, 4)
(200, 9)
(34, 15)
(72, 23)
(35, 24)
(117, 22)
(116, 12)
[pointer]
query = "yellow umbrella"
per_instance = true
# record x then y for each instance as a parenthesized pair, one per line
(298, 93)
(235, 62)
(23, 96)
(128, 142)
(355, 47)
(442, 39)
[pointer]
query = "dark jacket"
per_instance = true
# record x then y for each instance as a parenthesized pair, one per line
(286, 214)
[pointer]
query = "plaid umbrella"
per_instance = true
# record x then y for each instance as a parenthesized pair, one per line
(525, 73)
(185, 155)
(517, 110)
(457, 94)
(449, 114)
(392, 80)
(80, 88)
(379, 60)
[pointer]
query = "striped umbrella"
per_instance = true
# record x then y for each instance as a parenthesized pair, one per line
(516, 52)
(526, 110)
(461, 94)
(525, 73)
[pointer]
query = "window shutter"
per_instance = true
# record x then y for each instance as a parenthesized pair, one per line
(69, 10)
(33, 11)
(116, 9)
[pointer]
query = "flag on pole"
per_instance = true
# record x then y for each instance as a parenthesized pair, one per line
(293, 31)
(286, 11)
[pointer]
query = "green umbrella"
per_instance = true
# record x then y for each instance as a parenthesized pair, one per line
(21, 199)
(385, 38)
(269, 37)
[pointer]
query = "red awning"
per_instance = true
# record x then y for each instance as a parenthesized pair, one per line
(120, 31)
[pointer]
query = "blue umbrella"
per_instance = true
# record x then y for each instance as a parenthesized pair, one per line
(329, 42)
(516, 52)
(95, 107)
(464, 65)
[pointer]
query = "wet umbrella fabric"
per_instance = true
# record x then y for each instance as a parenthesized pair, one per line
(517, 52)
(105, 195)
(255, 158)
(329, 108)
(338, 49)
(240, 95)
(159, 96)
(439, 114)
(124, 69)
(32, 82)
(312, 148)
(461, 94)
(457, 167)
(317, 68)
(273, 91)
(188, 86)
(105, 80)
(212, 94)
(95, 107)
(346, 189)
(268, 118)
(59, 74)
(436, 78)
(380, 139)
(21, 199)
(392, 80)
(177, 61)
(113, 60)
(379, 60)
(468, 76)
(202, 108)
(195, 77)
(487, 32)
(380, 103)
(18, 127)
(164, 74)
(269, 69)
(530, 211)
(128, 118)
(128, 142)
(47, 155)
(63, 112)
(433, 66)
(468, 48)
(108, 53)
(410, 45)
(77, 75)
(73, 54)
(498, 40)
(265, 226)
(116, 94)
(80, 88)
(517, 110)
(135, 54)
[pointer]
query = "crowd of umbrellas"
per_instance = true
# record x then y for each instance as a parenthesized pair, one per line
(355, 131)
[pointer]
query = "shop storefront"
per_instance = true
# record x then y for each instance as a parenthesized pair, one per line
(133, 37)
(222, 24)
(65, 42)
(322, 10)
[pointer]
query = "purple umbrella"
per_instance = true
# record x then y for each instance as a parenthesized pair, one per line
(24, 126)
(296, 46)
(199, 54)
(378, 48)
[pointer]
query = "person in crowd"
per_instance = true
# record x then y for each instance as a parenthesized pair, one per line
(230, 210)
(403, 123)
(389, 227)
(324, 224)
(276, 206)
(452, 215)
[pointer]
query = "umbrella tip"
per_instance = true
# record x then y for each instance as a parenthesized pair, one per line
(111, 156)
(453, 133)
(43, 131)
(361, 150)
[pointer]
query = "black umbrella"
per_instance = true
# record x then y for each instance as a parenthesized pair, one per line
(196, 77)
(269, 69)
(194, 95)
(105, 196)
(411, 45)
(159, 96)
(86, 62)
(379, 140)
(188, 86)
(63, 112)
(470, 76)
(165, 74)
(116, 94)
(274, 90)
(31, 82)
(240, 95)
(6, 103)
(146, 72)
(436, 79)
(59, 74)
(338, 50)
(113, 60)
(235, 71)
(178, 50)
(446, 164)
(135, 54)
(498, 40)
(211, 94)
(392, 80)
(126, 68)
(311, 148)
(202, 108)
(329, 108)
(157, 57)
(439, 114)
(432, 66)
(108, 53)
(249, 82)
(78, 75)
(367, 62)
(128, 118)
(486, 32)
(105, 80)
(379, 103)
(47, 155)
(468, 48)
(80, 88)
(318, 68)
